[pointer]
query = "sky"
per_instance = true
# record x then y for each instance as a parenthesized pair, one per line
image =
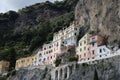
(6, 5)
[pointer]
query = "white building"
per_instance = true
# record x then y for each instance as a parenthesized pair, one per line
(103, 52)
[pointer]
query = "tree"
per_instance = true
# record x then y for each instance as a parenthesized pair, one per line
(9, 54)
(57, 62)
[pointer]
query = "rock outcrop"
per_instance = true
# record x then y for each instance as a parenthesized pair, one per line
(101, 17)
(104, 70)
(108, 69)
(31, 74)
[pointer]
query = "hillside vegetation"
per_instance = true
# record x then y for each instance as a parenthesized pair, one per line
(22, 32)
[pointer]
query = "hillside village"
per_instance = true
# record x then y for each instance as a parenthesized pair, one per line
(88, 49)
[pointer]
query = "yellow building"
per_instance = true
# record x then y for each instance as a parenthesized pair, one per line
(4, 66)
(83, 47)
(26, 62)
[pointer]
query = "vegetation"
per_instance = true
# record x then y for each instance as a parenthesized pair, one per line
(71, 59)
(8, 54)
(19, 43)
(57, 62)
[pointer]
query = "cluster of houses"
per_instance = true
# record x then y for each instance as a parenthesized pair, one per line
(88, 48)
(63, 39)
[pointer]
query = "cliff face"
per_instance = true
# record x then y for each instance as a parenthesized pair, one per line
(101, 17)
(108, 69)
(32, 74)
(104, 70)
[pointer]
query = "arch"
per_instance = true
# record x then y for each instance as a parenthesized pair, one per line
(61, 71)
(56, 75)
(65, 72)
(71, 69)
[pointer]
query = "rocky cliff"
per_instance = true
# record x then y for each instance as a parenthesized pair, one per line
(31, 74)
(104, 70)
(108, 69)
(100, 17)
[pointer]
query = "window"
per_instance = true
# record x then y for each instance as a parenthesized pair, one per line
(84, 54)
(80, 44)
(44, 48)
(88, 49)
(84, 48)
(49, 46)
(75, 34)
(100, 55)
(100, 50)
(93, 44)
(84, 42)
(84, 37)
(93, 52)
(39, 60)
(44, 59)
(80, 49)
(40, 54)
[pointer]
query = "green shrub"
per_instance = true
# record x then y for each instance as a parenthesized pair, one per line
(57, 62)
(13, 72)
(71, 59)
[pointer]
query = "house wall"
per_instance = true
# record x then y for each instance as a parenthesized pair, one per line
(26, 62)
(4, 66)
(103, 52)
(83, 48)
(95, 42)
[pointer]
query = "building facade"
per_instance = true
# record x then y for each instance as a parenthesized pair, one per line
(4, 66)
(26, 62)
(92, 48)
(103, 52)
(61, 40)
(95, 42)
(83, 48)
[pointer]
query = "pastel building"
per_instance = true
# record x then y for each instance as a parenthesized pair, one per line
(4, 66)
(26, 62)
(61, 40)
(83, 49)
(68, 35)
(95, 42)
(92, 48)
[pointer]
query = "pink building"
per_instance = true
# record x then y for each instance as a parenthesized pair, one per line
(88, 47)
(50, 52)
(95, 42)
(62, 40)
